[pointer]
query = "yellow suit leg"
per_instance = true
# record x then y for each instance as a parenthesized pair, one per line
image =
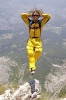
(31, 55)
(34, 49)
(31, 58)
(38, 52)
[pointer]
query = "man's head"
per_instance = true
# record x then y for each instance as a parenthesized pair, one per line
(35, 15)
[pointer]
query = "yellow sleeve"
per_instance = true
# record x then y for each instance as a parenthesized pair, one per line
(45, 19)
(25, 17)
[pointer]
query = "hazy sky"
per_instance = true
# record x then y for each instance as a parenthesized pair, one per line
(44, 4)
(15, 7)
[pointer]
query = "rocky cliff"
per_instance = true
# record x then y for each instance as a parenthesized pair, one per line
(24, 92)
(56, 79)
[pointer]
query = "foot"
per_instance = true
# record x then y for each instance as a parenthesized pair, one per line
(33, 72)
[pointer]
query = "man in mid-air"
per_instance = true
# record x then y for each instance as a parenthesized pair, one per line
(35, 21)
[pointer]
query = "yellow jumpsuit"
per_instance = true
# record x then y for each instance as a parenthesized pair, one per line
(34, 44)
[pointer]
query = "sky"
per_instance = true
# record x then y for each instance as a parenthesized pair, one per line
(42, 4)
(16, 7)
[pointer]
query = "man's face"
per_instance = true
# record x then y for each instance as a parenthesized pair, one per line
(35, 16)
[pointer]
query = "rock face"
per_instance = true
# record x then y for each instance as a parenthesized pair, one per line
(5, 68)
(56, 79)
(23, 92)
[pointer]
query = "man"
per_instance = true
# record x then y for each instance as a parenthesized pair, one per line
(35, 21)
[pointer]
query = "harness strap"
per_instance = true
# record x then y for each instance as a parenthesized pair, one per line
(34, 27)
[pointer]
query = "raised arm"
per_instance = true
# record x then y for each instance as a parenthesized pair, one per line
(45, 19)
(25, 17)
